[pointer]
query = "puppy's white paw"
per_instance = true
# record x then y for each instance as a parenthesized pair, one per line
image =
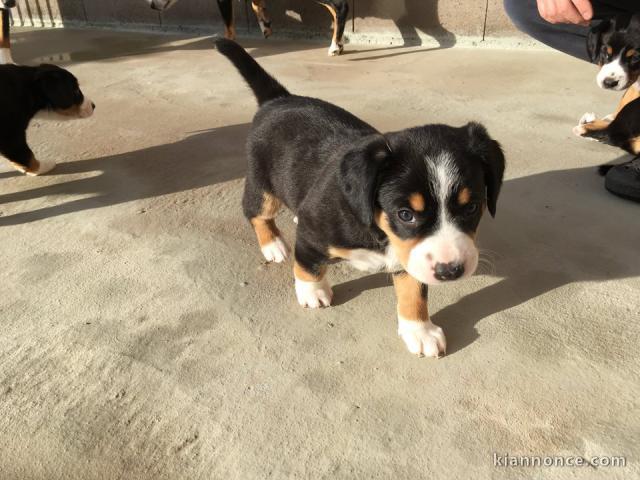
(579, 130)
(587, 118)
(276, 251)
(5, 56)
(44, 166)
(422, 338)
(335, 49)
(314, 294)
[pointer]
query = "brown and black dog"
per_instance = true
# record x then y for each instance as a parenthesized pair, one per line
(5, 31)
(339, 10)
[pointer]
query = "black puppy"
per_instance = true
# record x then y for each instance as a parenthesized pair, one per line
(408, 201)
(27, 91)
(615, 46)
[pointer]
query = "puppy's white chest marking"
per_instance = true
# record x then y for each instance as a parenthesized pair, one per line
(370, 260)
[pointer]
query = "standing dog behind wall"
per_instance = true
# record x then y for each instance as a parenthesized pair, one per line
(5, 31)
(339, 10)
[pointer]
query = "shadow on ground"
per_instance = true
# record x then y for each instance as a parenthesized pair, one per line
(202, 159)
(536, 213)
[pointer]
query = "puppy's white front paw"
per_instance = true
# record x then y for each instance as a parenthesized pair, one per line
(587, 118)
(335, 49)
(44, 166)
(314, 294)
(422, 338)
(275, 251)
(5, 56)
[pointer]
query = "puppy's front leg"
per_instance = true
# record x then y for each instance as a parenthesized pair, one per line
(22, 158)
(420, 335)
(312, 288)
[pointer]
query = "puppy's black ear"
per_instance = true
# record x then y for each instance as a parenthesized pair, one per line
(594, 39)
(492, 158)
(50, 80)
(359, 174)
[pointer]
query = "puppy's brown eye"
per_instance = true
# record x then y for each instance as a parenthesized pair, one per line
(470, 208)
(406, 216)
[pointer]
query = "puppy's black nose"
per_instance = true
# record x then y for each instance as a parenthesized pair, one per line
(93, 105)
(610, 83)
(448, 271)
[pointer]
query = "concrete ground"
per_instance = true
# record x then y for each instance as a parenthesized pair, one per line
(143, 336)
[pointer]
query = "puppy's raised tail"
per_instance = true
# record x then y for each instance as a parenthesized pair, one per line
(264, 86)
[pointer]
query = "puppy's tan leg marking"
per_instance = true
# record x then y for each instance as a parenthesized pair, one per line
(312, 290)
(230, 31)
(415, 328)
(629, 96)
(634, 145)
(336, 45)
(260, 9)
(273, 247)
(35, 167)
(592, 125)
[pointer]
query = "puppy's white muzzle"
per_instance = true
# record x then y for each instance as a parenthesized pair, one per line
(447, 255)
(612, 76)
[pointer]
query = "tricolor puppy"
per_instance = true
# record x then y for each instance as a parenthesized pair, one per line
(408, 201)
(27, 91)
(615, 46)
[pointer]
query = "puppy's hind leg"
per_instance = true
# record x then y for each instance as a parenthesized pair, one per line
(260, 208)
(339, 10)
(226, 10)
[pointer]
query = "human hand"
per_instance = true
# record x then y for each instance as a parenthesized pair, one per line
(578, 12)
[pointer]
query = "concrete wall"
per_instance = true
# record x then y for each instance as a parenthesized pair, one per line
(393, 21)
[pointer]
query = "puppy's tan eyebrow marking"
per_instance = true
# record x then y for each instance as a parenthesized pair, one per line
(630, 53)
(416, 200)
(464, 196)
(609, 50)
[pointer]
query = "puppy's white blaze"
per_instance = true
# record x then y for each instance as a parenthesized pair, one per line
(314, 294)
(5, 56)
(448, 244)
(276, 251)
(614, 71)
(422, 338)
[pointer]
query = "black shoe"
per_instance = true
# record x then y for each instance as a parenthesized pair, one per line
(624, 179)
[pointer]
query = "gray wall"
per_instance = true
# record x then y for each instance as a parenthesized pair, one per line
(408, 19)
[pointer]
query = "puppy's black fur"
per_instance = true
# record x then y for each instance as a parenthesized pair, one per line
(27, 91)
(616, 37)
(410, 197)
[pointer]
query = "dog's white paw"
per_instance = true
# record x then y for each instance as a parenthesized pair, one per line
(276, 251)
(579, 130)
(335, 49)
(44, 166)
(314, 294)
(587, 118)
(422, 338)
(5, 56)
